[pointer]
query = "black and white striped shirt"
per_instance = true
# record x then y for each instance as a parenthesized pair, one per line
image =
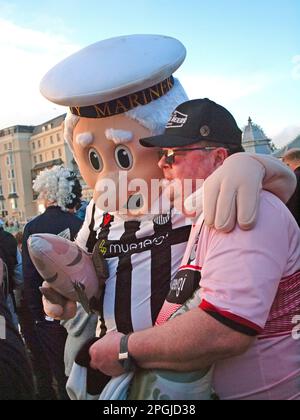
(143, 257)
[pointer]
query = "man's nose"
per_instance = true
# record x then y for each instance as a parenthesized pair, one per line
(162, 164)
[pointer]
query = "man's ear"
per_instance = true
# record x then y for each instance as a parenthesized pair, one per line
(220, 154)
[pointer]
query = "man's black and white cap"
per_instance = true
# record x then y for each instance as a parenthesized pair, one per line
(195, 121)
(115, 75)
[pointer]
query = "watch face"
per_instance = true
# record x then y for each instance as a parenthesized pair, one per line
(123, 356)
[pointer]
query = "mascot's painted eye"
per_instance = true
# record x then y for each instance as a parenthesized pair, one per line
(95, 160)
(123, 157)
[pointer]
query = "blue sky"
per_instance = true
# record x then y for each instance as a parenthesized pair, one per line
(245, 55)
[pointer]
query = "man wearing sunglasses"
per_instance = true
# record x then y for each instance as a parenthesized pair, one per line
(246, 323)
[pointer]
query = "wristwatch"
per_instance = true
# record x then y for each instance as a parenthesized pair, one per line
(125, 359)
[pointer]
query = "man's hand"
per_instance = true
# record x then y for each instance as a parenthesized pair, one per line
(56, 306)
(104, 355)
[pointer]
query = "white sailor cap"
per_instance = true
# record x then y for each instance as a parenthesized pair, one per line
(116, 75)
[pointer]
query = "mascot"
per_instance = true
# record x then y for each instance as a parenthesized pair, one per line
(129, 249)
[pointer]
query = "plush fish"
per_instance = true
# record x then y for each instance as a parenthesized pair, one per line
(67, 269)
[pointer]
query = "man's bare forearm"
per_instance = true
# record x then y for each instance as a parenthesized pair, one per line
(190, 342)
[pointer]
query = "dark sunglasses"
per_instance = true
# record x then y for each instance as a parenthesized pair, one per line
(170, 154)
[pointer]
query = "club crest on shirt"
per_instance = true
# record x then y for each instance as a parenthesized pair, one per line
(162, 219)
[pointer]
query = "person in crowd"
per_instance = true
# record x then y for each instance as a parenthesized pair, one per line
(16, 381)
(292, 159)
(9, 254)
(81, 210)
(249, 290)
(60, 191)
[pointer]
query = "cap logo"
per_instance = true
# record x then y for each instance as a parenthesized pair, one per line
(205, 131)
(177, 120)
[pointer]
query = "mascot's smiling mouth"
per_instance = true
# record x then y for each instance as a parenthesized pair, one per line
(135, 202)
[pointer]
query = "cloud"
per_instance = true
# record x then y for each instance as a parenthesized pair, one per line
(296, 68)
(26, 55)
(286, 135)
(224, 89)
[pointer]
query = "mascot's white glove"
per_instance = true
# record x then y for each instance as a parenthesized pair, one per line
(231, 193)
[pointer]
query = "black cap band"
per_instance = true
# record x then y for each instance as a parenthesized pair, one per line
(126, 103)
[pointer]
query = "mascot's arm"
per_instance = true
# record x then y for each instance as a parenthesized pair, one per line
(232, 192)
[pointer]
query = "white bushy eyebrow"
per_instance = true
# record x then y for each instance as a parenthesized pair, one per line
(85, 139)
(119, 136)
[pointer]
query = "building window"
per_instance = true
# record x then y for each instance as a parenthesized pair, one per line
(59, 153)
(35, 159)
(11, 174)
(9, 160)
(51, 140)
(53, 154)
(14, 203)
(13, 188)
(39, 144)
(41, 158)
(33, 146)
(58, 138)
(1, 190)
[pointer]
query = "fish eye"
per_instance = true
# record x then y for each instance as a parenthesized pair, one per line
(124, 157)
(95, 160)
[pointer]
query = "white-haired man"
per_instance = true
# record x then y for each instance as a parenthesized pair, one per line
(59, 190)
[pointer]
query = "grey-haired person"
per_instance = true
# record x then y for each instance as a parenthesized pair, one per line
(59, 190)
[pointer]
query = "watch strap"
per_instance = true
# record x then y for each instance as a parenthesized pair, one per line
(125, 359)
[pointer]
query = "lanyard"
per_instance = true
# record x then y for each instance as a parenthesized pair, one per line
(193, 240)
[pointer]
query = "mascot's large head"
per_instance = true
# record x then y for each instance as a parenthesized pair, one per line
(118, 91)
